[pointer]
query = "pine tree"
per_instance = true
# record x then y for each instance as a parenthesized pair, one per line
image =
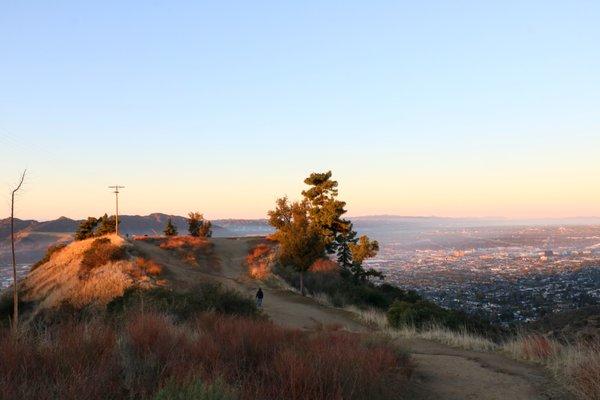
(86, 228)
(344, 254)
(325, 210)
(107, 225)
(195, 220)
(323, 214)
(170, 229)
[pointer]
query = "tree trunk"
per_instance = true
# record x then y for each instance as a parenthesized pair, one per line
(15, 322)
(14, 264)
(302, 283)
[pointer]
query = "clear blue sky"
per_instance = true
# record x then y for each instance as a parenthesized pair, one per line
(457, 108)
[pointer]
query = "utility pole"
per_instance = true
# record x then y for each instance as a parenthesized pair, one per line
(14, 259)
(116, 192)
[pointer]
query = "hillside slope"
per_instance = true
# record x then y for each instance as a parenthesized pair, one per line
(34, 237)
(441, 372)
(67, 277)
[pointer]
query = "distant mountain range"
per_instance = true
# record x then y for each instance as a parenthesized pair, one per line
(34, 237)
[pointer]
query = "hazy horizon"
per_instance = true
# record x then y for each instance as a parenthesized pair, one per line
(583, 220)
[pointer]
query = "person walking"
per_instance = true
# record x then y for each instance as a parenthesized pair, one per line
(259, 298)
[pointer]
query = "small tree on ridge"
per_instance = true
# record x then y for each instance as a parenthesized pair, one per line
(170, 229)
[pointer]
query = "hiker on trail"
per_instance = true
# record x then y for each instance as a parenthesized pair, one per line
(259, 298)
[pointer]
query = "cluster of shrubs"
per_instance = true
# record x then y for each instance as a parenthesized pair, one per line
(424, 314)
(145, 267)
(161, 344)
(183, 305)
(93, 226)
(343, 291)
(101, 252)
(403, 307)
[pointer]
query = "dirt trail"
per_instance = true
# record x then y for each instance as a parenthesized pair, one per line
(441, 372)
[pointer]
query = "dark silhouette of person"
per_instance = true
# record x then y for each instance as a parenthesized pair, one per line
(259, 298)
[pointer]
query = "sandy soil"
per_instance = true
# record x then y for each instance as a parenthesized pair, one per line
(441, 372)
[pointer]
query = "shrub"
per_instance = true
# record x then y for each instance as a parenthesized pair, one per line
(176, 242)
(67, 361)
(146, 267)
(196, 390)
(259, 260)
(148, 356)
(344, 292)
(51, 250)
(101, 252)
(418, 314)
(184, 305)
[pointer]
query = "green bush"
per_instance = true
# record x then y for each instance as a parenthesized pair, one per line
(196, 390)
(184, 305)
(423, 313)
(344, 291)
(417, 314)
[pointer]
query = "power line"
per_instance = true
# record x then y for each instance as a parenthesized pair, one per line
(116, 192)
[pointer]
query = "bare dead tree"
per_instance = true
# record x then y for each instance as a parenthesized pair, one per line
(14, 259)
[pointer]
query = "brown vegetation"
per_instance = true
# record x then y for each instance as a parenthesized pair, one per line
(146, 353)
(86, 272)
(100, 253)
(259, 260)
(51, 250)
(582, 370)
(178, 242)
(325, 265)
(145, 267)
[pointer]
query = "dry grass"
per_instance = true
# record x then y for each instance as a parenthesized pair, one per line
(196, 251)
(531, 347)
(373, 318)
(148, 353)
(259, 261)
(145, 267)
(178, 242)
(576, 366)
(460, 339)
(59, 280)
(101, 252)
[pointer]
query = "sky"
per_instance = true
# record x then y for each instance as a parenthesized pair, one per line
(447, 108)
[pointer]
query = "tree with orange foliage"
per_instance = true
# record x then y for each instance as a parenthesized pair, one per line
(301, 244)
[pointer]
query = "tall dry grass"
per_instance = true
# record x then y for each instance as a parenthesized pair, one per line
(578, 367)
(177, 242)
(460, 339)
(575, 366)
